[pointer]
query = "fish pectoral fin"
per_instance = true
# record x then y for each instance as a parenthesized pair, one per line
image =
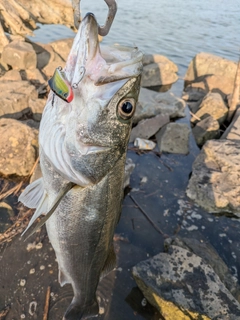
(77, 311)
(54, 206)
(41, 209)
(33, 194)
(110, 263)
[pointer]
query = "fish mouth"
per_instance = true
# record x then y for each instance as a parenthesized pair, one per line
(86, 149)
(101, 66)
(84, 50)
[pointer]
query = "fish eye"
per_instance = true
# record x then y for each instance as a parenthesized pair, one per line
(126, 108)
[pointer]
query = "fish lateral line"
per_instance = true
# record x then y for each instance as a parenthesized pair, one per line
(60, 195)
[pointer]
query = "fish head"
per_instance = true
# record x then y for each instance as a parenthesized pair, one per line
(95, 126)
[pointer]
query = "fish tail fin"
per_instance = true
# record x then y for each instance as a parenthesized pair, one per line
(76, 311)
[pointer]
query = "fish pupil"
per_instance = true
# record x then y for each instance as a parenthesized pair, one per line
(127, 107)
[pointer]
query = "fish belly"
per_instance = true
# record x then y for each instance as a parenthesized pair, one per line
(81, 233)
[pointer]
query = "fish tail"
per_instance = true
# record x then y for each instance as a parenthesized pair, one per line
(76, 311)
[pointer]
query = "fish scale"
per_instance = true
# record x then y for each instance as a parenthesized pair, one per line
(83, 267)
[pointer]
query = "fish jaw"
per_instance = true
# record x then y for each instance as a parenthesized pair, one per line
(85, 53)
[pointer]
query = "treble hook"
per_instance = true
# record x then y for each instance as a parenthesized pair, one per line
(102, 30)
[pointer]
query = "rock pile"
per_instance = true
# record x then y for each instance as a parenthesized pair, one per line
(209, 84)
(158, 71)
(208, 88)
(26, 67)
(19, 18)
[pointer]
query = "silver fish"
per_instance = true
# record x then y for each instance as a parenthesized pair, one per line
(82, 156)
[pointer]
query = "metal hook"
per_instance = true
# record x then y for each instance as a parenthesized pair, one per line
(102, 30)
(112, 9)
(82, 73)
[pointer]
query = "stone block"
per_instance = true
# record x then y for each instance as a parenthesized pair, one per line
(20, 55)
(212, 105)
(174, 138)
(183, 287)
(214, 183)
(205, 130)
(19, 148)
(151, 103)
(148, 127)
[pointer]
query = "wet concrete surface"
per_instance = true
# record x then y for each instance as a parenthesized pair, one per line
(158, 185)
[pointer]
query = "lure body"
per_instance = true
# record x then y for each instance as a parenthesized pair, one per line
(60, 85)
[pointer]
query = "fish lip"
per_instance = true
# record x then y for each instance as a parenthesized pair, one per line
(84, 49)
(86, 149)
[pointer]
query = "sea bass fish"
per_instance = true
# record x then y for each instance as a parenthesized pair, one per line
(83, 143)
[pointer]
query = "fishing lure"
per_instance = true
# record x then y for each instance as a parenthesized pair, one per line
(60, 85)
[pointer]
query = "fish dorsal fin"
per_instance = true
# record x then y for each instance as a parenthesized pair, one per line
(53, 207)
(33, 194)
(110, 263)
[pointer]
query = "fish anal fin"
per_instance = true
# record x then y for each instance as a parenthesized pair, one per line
(110, 263)
(77, 311)
(32, 194)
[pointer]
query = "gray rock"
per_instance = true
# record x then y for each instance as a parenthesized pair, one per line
(182, 286)
(31, 123)
(214, 184)
(3, 39)
(54, 62)
(210, 256)
(205, 130)
(208, 64)
(43, 52)
(151, 103)
(174, 138)
(233, 131)
(157, 58)
(148, 127)
(194, 105)
(129, 167)
(14, 97)
(34, 75)
(62, 47)
(61, 11)
(193, 94)
(3, 67)
(37, 106)
(48, 59)
(20, 17)
(211, 83)
(6, 213)
(19, 55)
(212, 105)
(11, 75)
(19, 148)
(158, 74)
